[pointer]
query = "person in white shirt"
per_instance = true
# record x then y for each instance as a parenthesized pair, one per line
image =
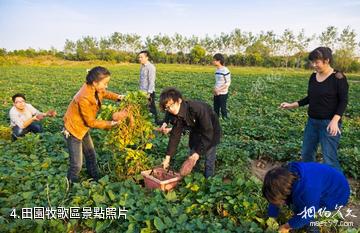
(222, 84)
(24, 118)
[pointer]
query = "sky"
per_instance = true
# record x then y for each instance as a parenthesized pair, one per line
(45, 23)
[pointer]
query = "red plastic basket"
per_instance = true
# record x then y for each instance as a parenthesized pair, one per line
(159, 178)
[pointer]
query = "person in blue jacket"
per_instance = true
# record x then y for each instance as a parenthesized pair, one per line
(305, 186)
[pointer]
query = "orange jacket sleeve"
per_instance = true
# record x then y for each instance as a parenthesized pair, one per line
(89, 116)
(111, 95)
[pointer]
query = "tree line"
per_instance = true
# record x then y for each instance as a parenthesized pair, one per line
(241, 48)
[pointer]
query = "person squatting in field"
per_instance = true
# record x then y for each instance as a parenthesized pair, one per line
(202, 122)
(24, 118)
(80, 117)
(327, 98)
(305, 187)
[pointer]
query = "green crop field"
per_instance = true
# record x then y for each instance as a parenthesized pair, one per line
(33, 169)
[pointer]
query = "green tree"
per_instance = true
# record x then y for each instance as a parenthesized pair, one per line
(301, 44)
(257, 52)
(328, 38)
(208, 44)
(132, 43)
(117, 41)
(345, 55)
(288, 45)
(191, 43)
(154, 52)
(239, 41)
(87, 48)
(3, 52)
(179, 42)
(197, 54)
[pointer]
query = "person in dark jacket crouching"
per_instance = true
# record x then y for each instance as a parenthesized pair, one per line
(197, 117)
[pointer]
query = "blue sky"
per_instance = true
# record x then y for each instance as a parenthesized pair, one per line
(46, 23)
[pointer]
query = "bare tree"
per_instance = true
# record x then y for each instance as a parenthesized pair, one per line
(328, 37)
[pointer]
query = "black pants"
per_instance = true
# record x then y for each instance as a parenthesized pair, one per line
(34, 127)
(152, 107)
(220, 105)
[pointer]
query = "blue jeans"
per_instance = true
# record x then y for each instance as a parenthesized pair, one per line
(210, 158)
(77, 150)
(34, 127)
(315, 133)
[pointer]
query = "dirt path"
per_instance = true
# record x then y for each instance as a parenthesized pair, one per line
(260, 167)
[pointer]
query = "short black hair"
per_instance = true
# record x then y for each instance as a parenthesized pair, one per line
(146, 52)
(278, 184)
(97, 74)
(219, 57)
(170, 93)
(18, 95)
(321, 53)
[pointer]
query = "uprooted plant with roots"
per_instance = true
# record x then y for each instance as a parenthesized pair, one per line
(131, 137)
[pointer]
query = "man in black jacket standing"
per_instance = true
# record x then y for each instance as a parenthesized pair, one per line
(202, 122)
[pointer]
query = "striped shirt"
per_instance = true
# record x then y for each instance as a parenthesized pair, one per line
(222, 77)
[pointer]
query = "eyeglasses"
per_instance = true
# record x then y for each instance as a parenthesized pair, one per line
(167, 108)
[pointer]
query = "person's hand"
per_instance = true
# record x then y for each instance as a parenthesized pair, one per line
(166, 162)
(286, 105)
(34, 118)
(119, 116)
(164, 130)
(39, 117)
(163, 126)
(51, 113)
(121, 97)
(215, 92)
(189, 164)
(195, 156)
(333, 128)
(284, 228)
(114, 123)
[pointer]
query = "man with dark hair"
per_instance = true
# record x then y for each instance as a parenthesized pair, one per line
(24, 118)
(222, 83)
(147, 80)
(202, 122)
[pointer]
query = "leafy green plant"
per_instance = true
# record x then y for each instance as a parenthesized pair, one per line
(33, 169)
(131, 137)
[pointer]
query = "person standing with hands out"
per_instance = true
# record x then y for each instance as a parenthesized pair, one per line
(147, 81)
(81, 116)
(222, 84)
(327, 99)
